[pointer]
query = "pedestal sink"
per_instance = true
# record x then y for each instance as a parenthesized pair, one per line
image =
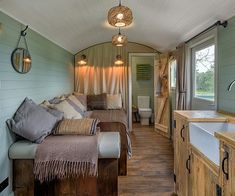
(202, 136)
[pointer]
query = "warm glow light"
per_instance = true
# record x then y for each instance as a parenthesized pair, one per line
(120, 16)
(82, 61)
(119, 39)
(119, 60)
(27, 60)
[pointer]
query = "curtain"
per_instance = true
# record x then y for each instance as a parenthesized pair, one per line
(100, 74)
(182, 101)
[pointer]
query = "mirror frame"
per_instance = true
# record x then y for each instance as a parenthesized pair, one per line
(12, 60)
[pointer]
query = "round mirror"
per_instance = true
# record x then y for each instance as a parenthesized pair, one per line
(21, 60)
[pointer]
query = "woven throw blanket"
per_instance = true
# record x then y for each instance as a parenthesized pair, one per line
(85, 126)
(59, 157)
(119, 116)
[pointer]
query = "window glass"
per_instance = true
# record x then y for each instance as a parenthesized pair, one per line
(173, 73)
(204, 72)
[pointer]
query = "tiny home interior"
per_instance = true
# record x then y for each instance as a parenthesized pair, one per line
(117, 98)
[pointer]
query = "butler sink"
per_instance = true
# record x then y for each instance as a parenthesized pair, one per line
(202, 136)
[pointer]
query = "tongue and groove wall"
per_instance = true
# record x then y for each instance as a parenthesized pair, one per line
(52, 74)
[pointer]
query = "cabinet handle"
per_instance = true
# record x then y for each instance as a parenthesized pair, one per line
(187, 164)
(181, 133)
(223, 163)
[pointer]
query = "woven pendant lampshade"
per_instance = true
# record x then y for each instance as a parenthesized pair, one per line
(120, 16)
(119, 39)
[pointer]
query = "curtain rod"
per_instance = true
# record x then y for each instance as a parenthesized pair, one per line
(218, 23)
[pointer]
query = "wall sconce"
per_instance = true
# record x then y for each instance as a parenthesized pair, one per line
(119, 60)
(83, 60)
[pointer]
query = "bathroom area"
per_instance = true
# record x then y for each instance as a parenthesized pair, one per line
(142, 82)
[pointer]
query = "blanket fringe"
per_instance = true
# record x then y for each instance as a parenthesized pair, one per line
(59, 169)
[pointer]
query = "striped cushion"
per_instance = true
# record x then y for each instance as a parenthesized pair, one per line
(68, 110)
(86, 126)
(76, 104)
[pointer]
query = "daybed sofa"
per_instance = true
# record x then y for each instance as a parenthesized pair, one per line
(23, 152)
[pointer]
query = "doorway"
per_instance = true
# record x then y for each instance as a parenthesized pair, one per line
(140, 83)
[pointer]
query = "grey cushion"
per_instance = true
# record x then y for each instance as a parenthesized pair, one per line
(108, 147)
(32, 121)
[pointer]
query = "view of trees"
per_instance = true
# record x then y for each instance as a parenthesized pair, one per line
(204, 73)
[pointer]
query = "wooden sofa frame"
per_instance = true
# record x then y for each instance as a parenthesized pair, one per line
(105, 184)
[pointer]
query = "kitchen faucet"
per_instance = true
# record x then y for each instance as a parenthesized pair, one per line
(230, 85)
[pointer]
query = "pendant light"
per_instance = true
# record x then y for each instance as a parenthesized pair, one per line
(83, 60)
(119, 39)
(120, 16)
(119, 60)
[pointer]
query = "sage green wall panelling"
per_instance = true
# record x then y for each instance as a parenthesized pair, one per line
(226, 64)
(52, 74)
(142, 87)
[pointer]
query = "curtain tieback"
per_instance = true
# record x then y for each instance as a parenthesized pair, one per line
(182, 91)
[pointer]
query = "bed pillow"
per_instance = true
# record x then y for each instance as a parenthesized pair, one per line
(32, 122)
(82, 98)
(114, 101)
(68, 110)
(77, 105)
(97, 102)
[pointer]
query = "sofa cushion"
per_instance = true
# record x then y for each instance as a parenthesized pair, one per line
(97, 102)
(82, 98)
(108, 147)
(114, 101)
(68, 110)
(32, 122)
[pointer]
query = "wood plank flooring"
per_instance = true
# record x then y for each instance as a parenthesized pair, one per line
(150, 170)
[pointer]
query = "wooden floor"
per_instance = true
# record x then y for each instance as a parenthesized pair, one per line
(150, 170)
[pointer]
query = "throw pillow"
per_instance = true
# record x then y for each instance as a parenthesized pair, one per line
(77, 105)
(32, 122)
(68, 110)
(114, 101)
(97, 102)
(82, 98)
(86, 126)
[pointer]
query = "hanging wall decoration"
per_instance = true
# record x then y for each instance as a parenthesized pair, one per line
(20, 57)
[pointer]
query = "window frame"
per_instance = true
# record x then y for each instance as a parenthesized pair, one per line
(194, 49)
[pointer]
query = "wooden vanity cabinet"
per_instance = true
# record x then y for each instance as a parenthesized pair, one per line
(203, 178)
(181, 155)
(227, 169)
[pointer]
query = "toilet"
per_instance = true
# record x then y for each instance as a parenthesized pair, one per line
(144, 109)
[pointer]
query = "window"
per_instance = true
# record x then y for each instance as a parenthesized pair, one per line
(203, 61)
(173, 73)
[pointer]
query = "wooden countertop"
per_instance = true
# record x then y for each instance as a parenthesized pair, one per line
(201, 115)
(210, 116)
(227, 137)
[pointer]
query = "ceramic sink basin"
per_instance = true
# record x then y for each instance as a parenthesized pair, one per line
(202, 136)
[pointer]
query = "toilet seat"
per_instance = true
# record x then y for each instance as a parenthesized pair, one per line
(145, 110)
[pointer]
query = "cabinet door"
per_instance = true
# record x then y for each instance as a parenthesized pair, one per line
(228, 170)
(181, 156)
(203, 180)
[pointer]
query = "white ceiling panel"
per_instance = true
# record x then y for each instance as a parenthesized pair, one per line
(78, 24)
